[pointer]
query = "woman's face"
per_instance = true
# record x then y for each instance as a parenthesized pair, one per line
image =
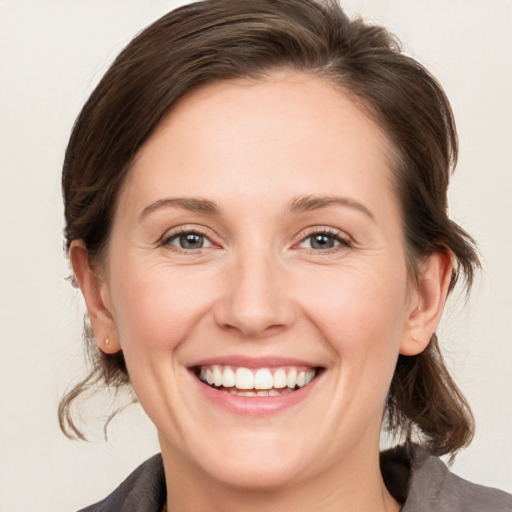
(257, 244)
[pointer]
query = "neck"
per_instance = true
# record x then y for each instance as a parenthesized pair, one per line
(354, 485)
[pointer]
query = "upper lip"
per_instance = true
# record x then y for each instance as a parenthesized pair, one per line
(254, 362)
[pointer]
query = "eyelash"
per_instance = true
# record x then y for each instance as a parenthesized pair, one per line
(169, 238)
(342, 241)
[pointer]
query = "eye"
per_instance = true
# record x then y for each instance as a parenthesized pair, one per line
(188, 240)
(323, 241)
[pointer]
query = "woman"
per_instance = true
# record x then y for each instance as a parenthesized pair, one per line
(255, 202)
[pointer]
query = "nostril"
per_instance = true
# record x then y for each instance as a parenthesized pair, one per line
(255, 304)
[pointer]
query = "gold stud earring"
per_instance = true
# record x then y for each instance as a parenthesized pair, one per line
(107, 341)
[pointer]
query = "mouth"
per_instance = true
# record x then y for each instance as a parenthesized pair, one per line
(256, 382)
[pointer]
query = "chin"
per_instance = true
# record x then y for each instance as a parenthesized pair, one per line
(258, 473)
(254, 461)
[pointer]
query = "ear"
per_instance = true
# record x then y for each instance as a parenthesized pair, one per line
(97, 299)
(427, 303)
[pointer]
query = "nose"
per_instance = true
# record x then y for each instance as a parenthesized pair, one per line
(256, 302)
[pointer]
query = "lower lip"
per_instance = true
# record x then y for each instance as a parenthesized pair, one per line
(255, 405)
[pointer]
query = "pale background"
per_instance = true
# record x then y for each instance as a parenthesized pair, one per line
(52, 53)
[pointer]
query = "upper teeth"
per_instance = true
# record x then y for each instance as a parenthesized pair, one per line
(262, 378)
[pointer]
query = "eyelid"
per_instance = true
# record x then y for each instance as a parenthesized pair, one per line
(173, 233)
(345, 240)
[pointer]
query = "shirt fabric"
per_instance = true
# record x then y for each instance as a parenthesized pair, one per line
(415, 478)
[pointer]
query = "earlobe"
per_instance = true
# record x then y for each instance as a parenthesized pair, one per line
(427, 303)
(95, 292)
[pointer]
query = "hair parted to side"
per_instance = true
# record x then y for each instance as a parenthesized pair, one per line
(226, 39)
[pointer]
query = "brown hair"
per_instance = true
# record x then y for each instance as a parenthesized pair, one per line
(221, 39)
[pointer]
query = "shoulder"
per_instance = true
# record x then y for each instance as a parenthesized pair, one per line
(143, 491)
(427, 484)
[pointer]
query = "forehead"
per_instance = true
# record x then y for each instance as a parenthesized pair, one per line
(289, 131)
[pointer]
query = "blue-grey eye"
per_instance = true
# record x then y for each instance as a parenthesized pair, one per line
(322, 241)
(189, 240)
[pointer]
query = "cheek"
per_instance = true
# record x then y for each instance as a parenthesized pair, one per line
(360, 312)
(360, 317)
(156, 308)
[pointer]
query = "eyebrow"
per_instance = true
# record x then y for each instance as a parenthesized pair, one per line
(297, 205)
(192, 204)
(308, 203)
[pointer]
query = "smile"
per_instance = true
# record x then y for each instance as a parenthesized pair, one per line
(255, 382)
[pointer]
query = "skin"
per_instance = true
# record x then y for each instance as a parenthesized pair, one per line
(258, 287)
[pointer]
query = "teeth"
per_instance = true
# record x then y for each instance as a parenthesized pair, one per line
(260, 382)
(291, 380)
(244, 378)
(264, 392)
(263, 379)
(280, 380)
(217, 376)
(246, 393)
(228, 378)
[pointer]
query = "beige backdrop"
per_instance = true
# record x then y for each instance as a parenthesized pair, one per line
(52, 52)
